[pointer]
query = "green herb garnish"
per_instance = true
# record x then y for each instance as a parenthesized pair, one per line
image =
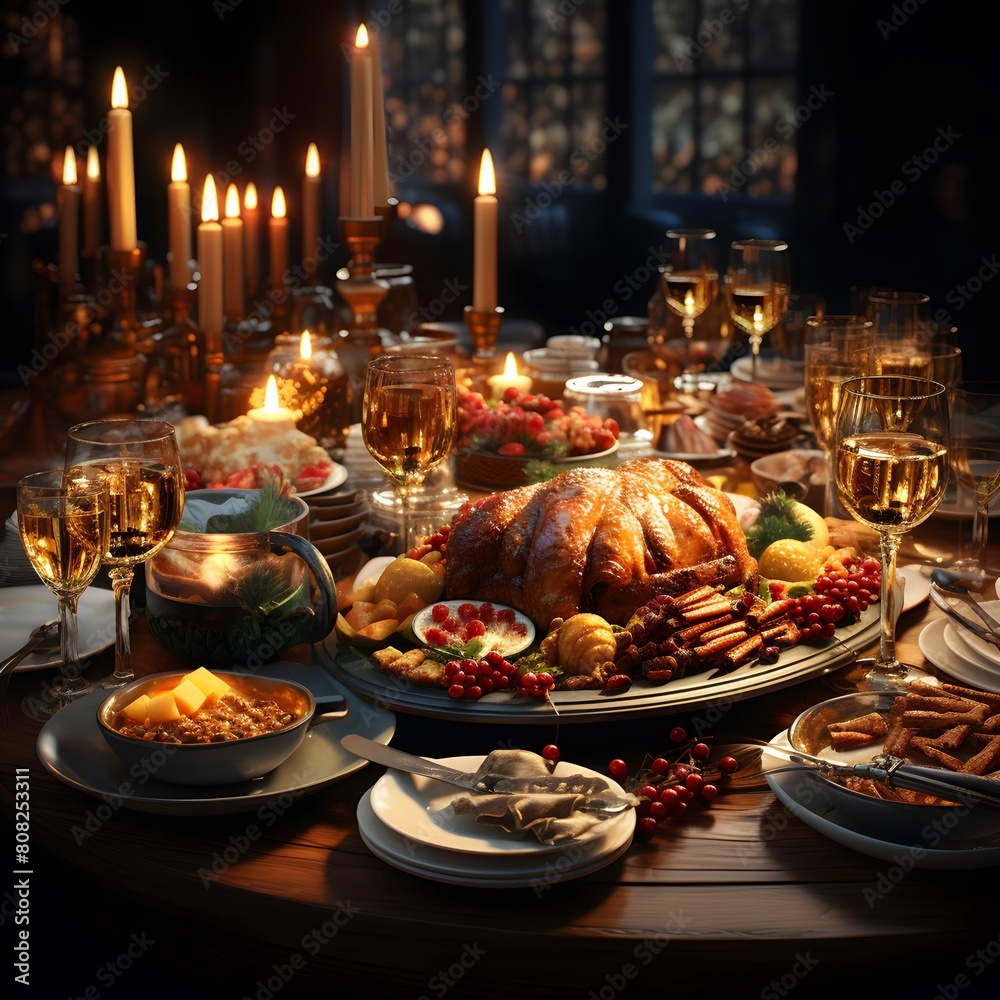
(776, 520)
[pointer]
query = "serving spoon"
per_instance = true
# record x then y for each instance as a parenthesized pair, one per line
(949, 581)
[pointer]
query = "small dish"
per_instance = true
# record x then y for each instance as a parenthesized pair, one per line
(445, 624)
(335, 527)
(331, 546)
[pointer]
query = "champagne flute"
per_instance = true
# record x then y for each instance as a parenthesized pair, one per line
(64, 531)
(757, 282)
(892, 443)
(409, 413)
(691, 279)
(976, 460)
(139, 463)
(835, 350)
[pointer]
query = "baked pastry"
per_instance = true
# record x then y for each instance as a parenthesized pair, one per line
(597, 540)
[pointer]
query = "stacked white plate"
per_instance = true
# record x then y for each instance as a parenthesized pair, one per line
(337, 524)
(961, 653)
(407, 821)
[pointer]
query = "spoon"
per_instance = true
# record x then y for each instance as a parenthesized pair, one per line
(949, 582)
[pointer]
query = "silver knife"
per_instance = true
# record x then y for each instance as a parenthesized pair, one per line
(605, 803)
(941, 601)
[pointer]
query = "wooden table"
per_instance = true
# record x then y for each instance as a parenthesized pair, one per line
(740, 900)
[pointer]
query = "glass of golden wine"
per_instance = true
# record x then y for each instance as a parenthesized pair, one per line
(139, 464)
(64, 531)
(976, 462)
(757, 283)
(835, 349)
(409, 412)
(892, 446)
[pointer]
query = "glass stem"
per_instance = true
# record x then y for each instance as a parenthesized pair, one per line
(405, 518)
(831, 497)
(70, 680)
(980, 527)
(121, 581)
(886, 661)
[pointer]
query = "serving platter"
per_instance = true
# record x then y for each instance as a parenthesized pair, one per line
(696, 692)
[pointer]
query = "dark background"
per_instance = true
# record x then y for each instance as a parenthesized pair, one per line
(228, 66)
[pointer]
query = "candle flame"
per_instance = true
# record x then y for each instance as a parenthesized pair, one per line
(278, 204)
(305, 346)
(250, 197)
(758, 318)
(232, 202)
(93, 164)
(209, 201)
(271, 394)
(510, 366)
(312, 161)
(487, 176)
(119, 92)
(361, 39)
(69, 166)
(178, 165)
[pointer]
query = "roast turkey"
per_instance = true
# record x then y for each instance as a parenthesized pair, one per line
(598, 540)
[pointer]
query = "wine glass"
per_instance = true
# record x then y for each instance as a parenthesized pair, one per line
(757, 282)
(835, 350)
(139, 463)
(976, 460)
(409, 413)
(691, 279)
(64, 531)
(892, 442)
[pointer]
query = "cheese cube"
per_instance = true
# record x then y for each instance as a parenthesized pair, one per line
(188, 696)
(136, 710)
(213, 686)
(162, 708)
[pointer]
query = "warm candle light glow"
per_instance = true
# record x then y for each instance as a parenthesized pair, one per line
(361, 38)
(209, 201)
(278, 239)
(68, 200)
(119, 91)
(305, 346)
(121, 168)
(484, 256)
(232, 202)
(271, 394)
(312, 160)
(91, 203)
(509, 378)
(251, 238)
(278, 204)
(178, 165)
(250, 197)
(487, 175)
(272, 413)
(69, 166)
(93, 164)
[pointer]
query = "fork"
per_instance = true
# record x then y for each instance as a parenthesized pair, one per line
(44, 636)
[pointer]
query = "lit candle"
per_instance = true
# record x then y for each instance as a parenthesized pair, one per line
(179, 221)
(310, 205)
(509, 378)
(251, 237)
(484, 283)
(69, 223)
(92, 203)
(121, 168)
(362, 200)
(232, 257)
(272, 415)
(279, 240)
(211, 317)
(380, 169)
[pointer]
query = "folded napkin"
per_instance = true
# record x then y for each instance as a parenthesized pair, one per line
(530, 799)
(15, 570)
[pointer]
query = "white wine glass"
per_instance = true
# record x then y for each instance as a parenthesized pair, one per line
(409, 413)
(64, 531)
(976, 461)
(139, 463)
(691, 279)
(757, 288)
(835, 350)
(892, 444)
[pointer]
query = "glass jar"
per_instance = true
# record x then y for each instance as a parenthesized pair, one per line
(549, 370)
(621, 336)
(615, 397)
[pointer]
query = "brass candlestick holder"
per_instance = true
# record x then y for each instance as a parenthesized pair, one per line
(484, 328)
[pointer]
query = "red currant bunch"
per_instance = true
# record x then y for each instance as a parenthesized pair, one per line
(470, 679)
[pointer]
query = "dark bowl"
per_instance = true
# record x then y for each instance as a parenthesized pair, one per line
(222, 763)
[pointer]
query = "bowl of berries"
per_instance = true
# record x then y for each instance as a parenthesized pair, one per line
(523, 438)
(473, 629)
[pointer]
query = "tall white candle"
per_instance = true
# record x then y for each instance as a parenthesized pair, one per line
(232, 257)
(380, 169)
(251, 237)
(211, 316)
(92, 203)
(69, 222)
(362, 201)
(278, 232)
(310, 204)
(179, 221)
(484, 283)
(121, 168)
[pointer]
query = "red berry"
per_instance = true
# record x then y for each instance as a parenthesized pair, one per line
(657, 809)
(728, 764)
(618, 768)
(475, 628)
(649, 792)
(439, 613)
(467, 611)
(678, 734)
(647, 825)
(700, 751)
(709, 791)
(661, 765)
(550, 752)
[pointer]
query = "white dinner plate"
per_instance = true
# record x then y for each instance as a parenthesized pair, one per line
(22, 608)
(501, 871)
(805, 796)
(774, 372)
(918, 584)
(933, 643)
(72, 748)
(721, 454)
(419, 809)
(969, 647)
(337, 476)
